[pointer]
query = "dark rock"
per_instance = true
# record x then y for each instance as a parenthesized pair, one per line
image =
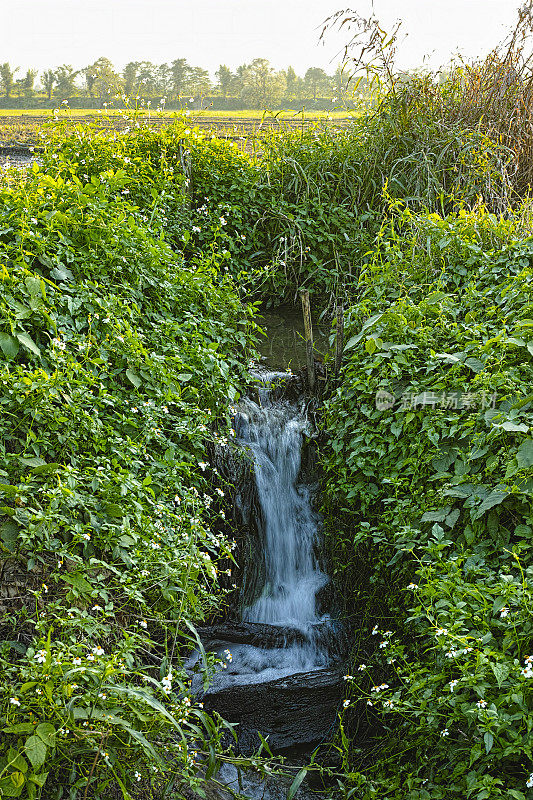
(255, 633)
(298, 710)
(259, 634)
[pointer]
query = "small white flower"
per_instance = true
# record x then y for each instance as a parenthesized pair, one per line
(219, 492)
(89, 657)
(441, 632)
(369, 703)
(504, 612)
(40, 656)
(529, 782)
(203, 466)
(76, 661)
(481, 704)
(137, 775)
(346, 704)
(412, 586)
(453, 684)
(445, 732)
(97, 608)
(98, 651)
(375, 630)
(348, 677)
(15, 701)
(383, 644)
(361, 667)
(143, 623)
(86, 536)
(196, 229)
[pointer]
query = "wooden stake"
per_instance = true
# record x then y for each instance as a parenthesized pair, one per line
(308, 329)
(340, 338)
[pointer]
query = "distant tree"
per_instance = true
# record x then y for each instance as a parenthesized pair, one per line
(65, 76)
(293, 82)
(263, 87)
(7, 78)
(105, 81)
(129, 77)
(239, 79)
(89, 73)
(146, 80)
(24, 86)
(225, 79)
(341, 80)
(199, 82)
(315, 80)
(180, 72)
(49, 80)
(163, 77)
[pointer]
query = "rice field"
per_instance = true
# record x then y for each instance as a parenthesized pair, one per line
(22, 126)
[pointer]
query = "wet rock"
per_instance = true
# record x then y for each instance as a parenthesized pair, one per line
(297, 710)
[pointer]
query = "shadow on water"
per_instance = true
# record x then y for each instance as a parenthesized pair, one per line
(283, 345)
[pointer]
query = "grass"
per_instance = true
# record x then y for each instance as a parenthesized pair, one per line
(252, 114)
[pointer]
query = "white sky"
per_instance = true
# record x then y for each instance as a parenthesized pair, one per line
(46, 33)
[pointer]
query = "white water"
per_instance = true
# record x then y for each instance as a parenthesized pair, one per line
(272, 433)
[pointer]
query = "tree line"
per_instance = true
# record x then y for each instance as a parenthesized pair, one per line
(257, 84)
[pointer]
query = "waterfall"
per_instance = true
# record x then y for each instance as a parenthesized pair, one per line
(272, 433)
(284, 590)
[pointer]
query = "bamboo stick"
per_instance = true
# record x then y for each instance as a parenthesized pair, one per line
(308, 329)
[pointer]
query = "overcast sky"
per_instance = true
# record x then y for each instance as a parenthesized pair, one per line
(46, 33)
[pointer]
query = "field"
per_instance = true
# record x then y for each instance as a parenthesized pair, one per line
(23, 125)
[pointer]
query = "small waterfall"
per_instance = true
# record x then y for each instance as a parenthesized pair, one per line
(272, 432)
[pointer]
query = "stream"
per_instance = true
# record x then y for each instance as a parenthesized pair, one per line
(281, 671)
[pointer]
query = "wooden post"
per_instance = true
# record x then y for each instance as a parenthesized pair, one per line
(308, 329)
(340, 338)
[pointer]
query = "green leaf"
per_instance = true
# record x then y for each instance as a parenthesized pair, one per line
(47, 733)
(295, 785)
(32, 462)
(494, 499)
(488, 738)
(39, 779)
(36, 751)
(28, 343)
(9, 532)
(21, 727)
(184, 377)
(78, 582)
(133, 378)
(12, 786)
(370, 345)
(501, 672)
(513, 426)
(356, 339)
(475, 364)
(524, 456)
(9, 345)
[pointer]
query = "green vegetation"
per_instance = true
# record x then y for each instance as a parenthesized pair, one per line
(256, 85)
(130, 262)
(118, 358)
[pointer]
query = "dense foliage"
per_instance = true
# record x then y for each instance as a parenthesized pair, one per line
(429, 487)
(123, 340)
(118, 358)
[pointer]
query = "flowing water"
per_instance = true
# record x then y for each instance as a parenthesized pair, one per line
(271, 432)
